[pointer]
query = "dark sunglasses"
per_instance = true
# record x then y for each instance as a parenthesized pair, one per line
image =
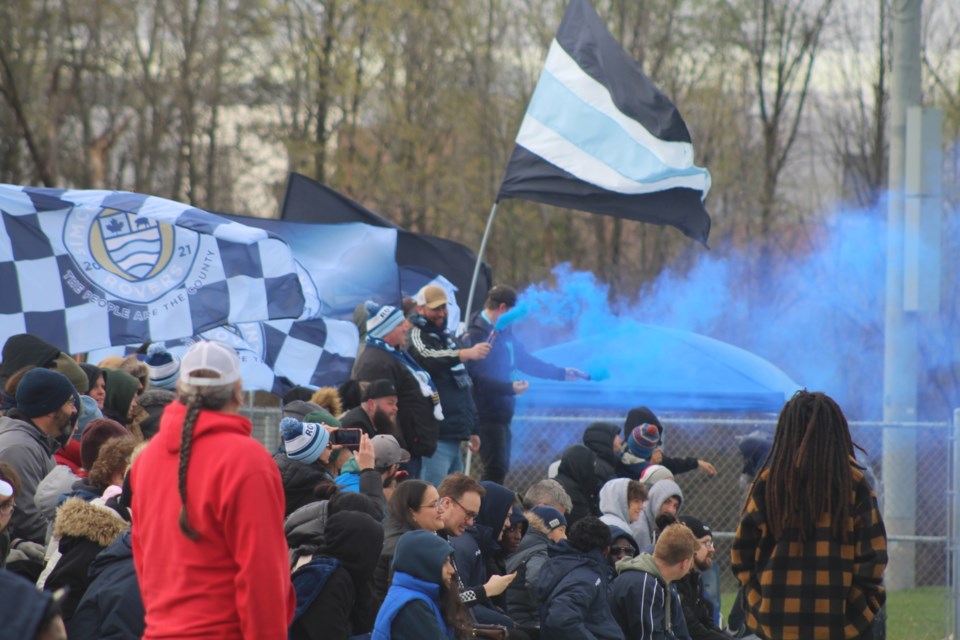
(625, 551)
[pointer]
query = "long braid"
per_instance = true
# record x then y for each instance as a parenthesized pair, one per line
(194, 403)
(195, 398)
(809, 467)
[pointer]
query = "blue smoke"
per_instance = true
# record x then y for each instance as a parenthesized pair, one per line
(817, 313)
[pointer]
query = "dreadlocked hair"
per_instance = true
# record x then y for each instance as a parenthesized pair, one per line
(809, 467)
(195, 398)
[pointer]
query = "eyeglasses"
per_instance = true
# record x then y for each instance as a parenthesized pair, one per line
(471, 515)
(708, 544)
(622, 551)
(7, 507)
(432, 505)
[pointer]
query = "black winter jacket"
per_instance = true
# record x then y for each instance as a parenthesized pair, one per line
(529, 558)
(697, 610)
(573, 591)
(492, 375)
(580, 477)
(83, 530)
(439, 353)
(599, 437)
(344, 607)
(111, 609)
(383, 573)
(299, 480)
(418, 426)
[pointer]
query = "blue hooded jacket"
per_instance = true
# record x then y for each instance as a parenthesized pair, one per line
(478, 544)
(412, 606)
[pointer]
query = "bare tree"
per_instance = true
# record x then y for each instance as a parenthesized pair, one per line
(782, 39)
(857, 120)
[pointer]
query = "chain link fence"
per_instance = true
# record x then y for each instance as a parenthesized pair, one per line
(920, 604)
(920, 518)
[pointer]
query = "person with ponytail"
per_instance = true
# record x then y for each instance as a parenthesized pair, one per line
(423, 602)
(811, 547)
(207, 536)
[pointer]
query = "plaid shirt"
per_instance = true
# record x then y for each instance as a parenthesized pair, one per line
(819, 588)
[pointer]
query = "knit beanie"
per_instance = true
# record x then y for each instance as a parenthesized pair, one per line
(303, 441)
(698, 528)
(69, 367)
(382, 319)
(299, 409)
(322, 416)
(516, 517)
(551, 517)
(422, 554)
(654, 473)
(95, 435)
(643, 440)
(164, 367)
(43, 391)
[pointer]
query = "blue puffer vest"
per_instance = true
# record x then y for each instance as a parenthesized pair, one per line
(403, 590)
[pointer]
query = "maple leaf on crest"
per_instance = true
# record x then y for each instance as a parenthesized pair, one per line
(115, 226)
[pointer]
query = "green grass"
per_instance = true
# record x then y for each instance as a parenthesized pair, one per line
(915, 614)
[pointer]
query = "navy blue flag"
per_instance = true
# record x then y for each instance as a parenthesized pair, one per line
(341, 265)
(90, 269)
(307, 200)
(599, 136)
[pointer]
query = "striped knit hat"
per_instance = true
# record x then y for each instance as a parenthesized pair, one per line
(381, 320)
(303, 441)
(164, 367)
(643, 440)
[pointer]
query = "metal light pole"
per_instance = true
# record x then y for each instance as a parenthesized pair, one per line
(900, 340)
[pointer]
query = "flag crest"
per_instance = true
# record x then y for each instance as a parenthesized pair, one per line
(90, 269)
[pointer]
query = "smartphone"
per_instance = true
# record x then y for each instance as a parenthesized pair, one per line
(348, 438)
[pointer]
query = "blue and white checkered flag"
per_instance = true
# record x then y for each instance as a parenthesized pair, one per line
(91, 269)
(278, 354)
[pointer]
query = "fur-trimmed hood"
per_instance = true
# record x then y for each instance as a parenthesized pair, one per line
(329, 399)
(81, 519)
(536, 522)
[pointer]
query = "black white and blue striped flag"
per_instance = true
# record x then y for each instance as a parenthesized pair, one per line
(599, 136)
(90, 269)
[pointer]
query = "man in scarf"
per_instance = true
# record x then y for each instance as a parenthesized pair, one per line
(418, 402)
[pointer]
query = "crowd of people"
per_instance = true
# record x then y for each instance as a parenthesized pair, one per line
(135, 503)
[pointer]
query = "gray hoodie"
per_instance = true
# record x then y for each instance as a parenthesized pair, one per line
(30, 451)
(614, 505)
(645, 527)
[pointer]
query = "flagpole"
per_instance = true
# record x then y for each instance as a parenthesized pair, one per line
(476, 267)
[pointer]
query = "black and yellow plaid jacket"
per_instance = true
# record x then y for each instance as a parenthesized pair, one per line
(818, 588)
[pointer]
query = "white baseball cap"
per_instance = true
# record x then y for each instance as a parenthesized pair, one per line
(210, 356)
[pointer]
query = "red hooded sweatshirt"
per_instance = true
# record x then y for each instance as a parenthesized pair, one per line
(234, 580)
